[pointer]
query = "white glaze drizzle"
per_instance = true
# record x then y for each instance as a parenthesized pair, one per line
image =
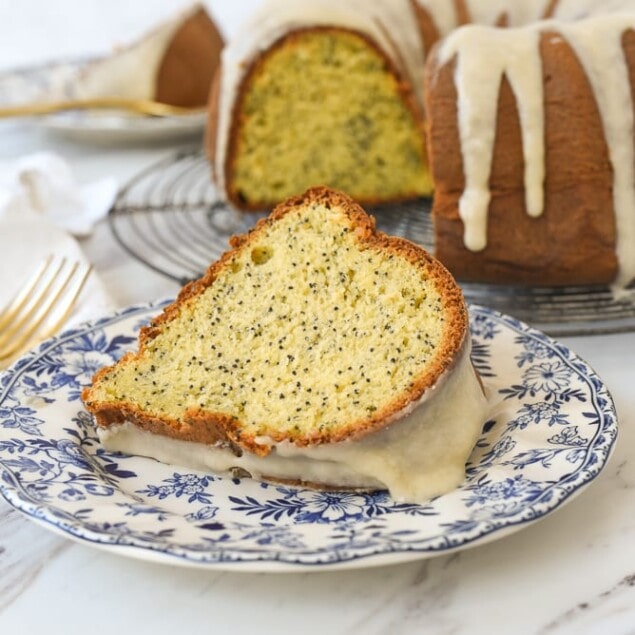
(598, 44)
(518, 12)
(478, 75)
(442, 13)
(574, 10)
(485, 54)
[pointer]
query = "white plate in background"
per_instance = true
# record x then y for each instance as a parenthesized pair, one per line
(115, 127)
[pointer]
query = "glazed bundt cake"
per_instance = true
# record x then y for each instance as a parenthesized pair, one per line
(318, 350)
(531, 144)
(320, 93)
(174, 64)
(523, 124)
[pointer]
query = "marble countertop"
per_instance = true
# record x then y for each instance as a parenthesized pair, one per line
(573, 572)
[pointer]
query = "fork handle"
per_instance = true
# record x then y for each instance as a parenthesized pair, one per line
(140, 106)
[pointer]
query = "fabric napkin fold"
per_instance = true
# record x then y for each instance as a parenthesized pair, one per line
(42, 209)
(43, 185)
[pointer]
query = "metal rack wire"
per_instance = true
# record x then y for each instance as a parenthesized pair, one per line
(170, 218)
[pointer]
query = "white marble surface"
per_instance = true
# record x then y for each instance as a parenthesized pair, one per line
(573, 572)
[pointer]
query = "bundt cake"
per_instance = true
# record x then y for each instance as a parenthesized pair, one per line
(523, 124)
(320, 93)
(173, 64)
(531, 144)
(317, 350)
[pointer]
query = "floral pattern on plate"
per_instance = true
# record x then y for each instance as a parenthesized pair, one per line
(552, 428)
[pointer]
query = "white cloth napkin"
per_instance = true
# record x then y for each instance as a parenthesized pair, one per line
(43, 184)
(42, 208)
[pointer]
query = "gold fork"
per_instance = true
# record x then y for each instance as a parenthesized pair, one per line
(42, 306)
(139, 106)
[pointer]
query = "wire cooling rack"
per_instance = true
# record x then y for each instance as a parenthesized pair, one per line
(170, 218)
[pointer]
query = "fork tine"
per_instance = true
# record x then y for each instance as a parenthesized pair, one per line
(68, 301)
(16, 304)
(30, 306)
(55, 298)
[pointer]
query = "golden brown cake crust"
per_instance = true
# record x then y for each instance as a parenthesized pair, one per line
(190, 62)
(253, 68)
(573, 242)
(215, 428)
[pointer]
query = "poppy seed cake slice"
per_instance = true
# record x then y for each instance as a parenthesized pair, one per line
(317, 350)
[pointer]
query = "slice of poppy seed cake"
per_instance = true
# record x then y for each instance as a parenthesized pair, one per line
(317, 351)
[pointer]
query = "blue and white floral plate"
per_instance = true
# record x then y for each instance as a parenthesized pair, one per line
(552, 429)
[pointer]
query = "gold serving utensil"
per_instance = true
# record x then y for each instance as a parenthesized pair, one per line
(139, 106)
(42, 306)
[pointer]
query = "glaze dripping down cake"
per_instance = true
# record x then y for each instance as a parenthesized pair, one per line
(317, 351)
(531, 143)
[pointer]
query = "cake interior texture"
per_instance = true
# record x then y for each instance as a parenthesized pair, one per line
(315, 333)
(300, 321)
(324, 106)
